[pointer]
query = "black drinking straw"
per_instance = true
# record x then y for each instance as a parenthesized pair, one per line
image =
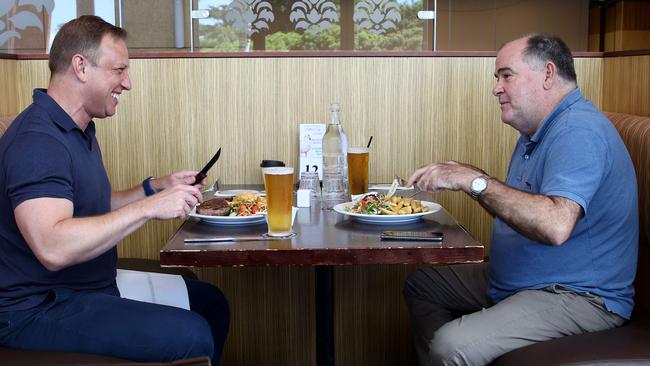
(369, 141)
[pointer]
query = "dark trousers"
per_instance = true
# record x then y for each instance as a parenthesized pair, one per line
(100, 322)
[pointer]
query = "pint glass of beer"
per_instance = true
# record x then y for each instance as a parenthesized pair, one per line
(278, 182)
(358, 169)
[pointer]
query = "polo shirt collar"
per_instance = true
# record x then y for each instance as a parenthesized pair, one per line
(550, 120)
(60, 117)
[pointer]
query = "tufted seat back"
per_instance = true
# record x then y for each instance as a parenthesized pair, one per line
(635, 132)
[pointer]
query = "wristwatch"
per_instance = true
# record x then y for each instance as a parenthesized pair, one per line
(146, 185)
(478, 185)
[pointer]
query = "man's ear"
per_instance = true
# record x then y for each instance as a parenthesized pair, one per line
(78, 65)
(550, 75)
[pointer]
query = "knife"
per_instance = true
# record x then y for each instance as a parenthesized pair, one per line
(204, 172)
(222, 239)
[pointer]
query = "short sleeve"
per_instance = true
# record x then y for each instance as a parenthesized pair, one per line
(575, 165)
(37, 165)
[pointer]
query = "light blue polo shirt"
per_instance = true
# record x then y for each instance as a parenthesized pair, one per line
(576, 153)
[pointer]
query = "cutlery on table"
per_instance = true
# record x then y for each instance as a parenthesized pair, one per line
(223, 239)
(402, 183)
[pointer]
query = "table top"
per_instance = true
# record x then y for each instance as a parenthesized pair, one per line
(323, 237)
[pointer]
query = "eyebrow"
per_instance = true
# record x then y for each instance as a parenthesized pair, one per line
(503, 69)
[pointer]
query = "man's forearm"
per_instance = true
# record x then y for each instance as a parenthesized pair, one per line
(123, 198)
(541, 218)
(82, 239)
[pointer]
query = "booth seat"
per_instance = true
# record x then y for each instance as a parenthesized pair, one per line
(18, 357)
(629, 344)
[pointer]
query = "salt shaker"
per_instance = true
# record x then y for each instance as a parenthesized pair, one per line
(309, 180)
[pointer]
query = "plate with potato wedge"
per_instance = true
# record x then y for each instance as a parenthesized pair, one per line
(378, 209)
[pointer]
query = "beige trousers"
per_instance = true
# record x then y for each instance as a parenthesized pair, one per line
(455, 323)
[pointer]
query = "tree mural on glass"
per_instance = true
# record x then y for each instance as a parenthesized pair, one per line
(376, 16)
(313, 16)
(21, 19)
(250, 16)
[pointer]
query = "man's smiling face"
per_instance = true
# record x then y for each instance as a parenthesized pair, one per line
(108, 78)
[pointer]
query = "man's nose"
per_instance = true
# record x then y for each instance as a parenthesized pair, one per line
(126, 82)
(498, 89)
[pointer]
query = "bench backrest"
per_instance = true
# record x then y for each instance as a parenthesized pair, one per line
(4, 123)
(635, 132)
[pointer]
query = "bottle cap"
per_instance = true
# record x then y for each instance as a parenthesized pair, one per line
(271, 163)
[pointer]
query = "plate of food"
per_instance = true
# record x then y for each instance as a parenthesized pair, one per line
(244, 209)
(377, 209)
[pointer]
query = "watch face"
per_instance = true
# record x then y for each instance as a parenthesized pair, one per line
(479, 184)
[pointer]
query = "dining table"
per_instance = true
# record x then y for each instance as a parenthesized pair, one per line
(322, 238)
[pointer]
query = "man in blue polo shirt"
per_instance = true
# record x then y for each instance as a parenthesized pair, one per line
(565, 236)
(60, 221)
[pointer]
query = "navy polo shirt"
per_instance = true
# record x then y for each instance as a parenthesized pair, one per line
(45, 154)
(576, 153)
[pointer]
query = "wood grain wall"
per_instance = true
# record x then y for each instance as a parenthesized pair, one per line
(419, 110)
(626, 85)
(628, 27)
(8, 82)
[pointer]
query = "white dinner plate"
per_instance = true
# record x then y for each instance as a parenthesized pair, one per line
(229, 220)
(387, 219)
(235, 192)
(386, 186)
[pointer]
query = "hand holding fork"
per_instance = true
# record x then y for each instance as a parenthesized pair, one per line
(402, 183)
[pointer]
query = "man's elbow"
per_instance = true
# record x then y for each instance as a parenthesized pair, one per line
(53, 262)
(559, 234)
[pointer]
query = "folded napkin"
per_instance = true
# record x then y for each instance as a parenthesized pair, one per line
(157, 288)
(356, 197)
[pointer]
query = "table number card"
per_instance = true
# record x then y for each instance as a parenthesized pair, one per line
(311, 147)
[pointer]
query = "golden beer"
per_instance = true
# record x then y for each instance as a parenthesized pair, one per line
(279, 195)
(358, 170)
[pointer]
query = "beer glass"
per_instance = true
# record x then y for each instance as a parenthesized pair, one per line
(269, 164)
(278, 182)
(358, 169)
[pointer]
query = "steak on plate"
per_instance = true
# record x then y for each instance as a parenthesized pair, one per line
(214, 207)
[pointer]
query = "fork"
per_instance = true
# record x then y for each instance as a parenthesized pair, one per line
(214, 188)
(402, 183)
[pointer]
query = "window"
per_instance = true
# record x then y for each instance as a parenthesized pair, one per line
(372, 25)
(319, 25)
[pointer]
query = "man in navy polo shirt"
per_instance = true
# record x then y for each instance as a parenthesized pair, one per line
(565, 235)
(60, 221)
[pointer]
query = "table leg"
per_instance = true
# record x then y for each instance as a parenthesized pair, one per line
(325, 315)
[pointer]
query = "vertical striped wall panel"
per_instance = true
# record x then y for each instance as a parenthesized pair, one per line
(419, 110)
(626, 85)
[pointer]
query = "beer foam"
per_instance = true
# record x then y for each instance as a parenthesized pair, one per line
(358, 150)
(278, 170)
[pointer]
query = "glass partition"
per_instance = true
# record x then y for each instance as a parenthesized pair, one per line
(312, 25)
(327, 25)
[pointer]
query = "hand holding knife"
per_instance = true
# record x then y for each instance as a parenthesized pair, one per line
(204, 172)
